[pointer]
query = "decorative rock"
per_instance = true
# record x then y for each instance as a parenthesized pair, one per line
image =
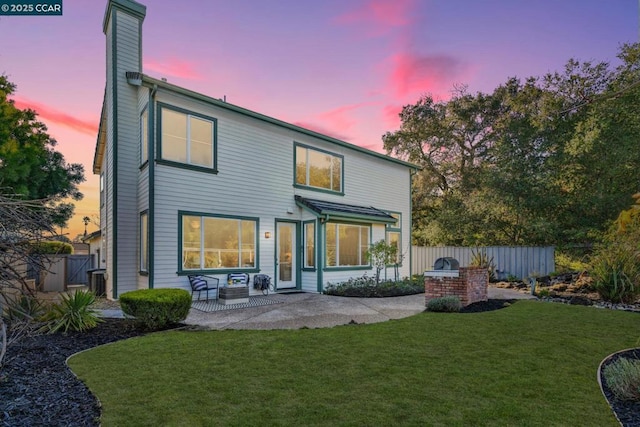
(578, 300)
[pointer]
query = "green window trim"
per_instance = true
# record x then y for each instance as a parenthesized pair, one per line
(248, 251)
(392, 229)
(309, 231)
(144, 242)
(358, 250)
(348, 268)
(398, 224)
(191, 118)
(144, 137)
(303, 178)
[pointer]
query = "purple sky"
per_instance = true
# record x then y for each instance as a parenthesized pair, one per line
(341, 67)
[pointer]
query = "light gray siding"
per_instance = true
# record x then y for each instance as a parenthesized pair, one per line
(255, 176)
(106, 210)
(127, 146)
(119, 214)
(143, 181)
(255, 179)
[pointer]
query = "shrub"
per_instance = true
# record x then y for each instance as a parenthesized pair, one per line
(21, 307)
(566, 262)
(156, 308)
(616, 272)
(623, 378)
(53, 247)
(366, 287)
(72, 313)
(381, 254)
(450, 304)
(616, 263)
(543, 293)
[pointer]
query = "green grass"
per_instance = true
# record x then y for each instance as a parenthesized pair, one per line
(532, 364)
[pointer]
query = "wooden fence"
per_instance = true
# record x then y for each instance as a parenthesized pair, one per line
(61, 271)
(515, 261)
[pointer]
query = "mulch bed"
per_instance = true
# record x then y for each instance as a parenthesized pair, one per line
(37, 388)
(489, 305)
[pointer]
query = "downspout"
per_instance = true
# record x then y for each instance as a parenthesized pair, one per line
(151, 159)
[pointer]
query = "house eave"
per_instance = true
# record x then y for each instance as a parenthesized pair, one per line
(151, 82)
(101, 141)
(326, 215)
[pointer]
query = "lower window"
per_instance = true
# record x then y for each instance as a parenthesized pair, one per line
(210, 242)
(393, 239)
(144, 242)
(347, 245)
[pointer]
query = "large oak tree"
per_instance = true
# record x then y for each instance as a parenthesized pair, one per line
(545, 160)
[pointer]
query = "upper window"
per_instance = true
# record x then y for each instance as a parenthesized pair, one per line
(144, 137)
(210, 242)
(318, 169)
(347, 245)
(187, 138)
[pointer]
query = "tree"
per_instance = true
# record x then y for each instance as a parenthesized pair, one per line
(449, 141)
(24, 225)
(30, 168)
(381, 254)
(546, 160)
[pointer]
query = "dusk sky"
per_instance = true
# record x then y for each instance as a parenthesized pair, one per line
(340, 67)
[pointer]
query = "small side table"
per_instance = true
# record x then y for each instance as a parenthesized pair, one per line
(234, 295)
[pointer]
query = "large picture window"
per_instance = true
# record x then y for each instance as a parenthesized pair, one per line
(318, 169)
(347, 245)
(210, 243)
(187, 138)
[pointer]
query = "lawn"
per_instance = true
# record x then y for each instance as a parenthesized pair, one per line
(531, 364)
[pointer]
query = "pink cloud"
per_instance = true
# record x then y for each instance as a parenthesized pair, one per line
(391, 115)
(423, 73)
(320, 129)
(380, 15)
(52, 115)
(339, 118)
(173, 67)
(377, 147)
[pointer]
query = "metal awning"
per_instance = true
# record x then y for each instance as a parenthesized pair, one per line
(332, 211)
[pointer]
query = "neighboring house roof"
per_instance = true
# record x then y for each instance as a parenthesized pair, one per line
(80, 248)
(91, 236)
(155, 83)
(342, 211)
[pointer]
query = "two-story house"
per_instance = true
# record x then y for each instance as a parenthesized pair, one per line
(193, 184)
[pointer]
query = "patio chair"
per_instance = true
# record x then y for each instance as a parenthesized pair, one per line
(204, 283)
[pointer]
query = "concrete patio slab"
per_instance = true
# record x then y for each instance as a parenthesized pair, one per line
(307, 310)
